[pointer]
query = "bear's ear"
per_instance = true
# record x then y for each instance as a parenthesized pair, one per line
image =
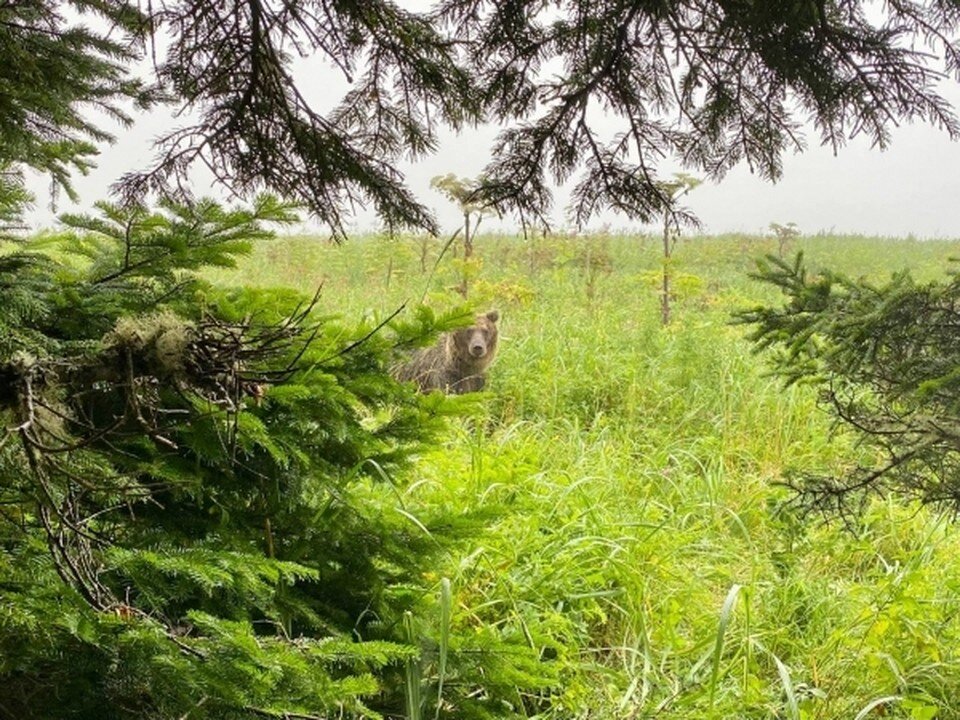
(493, 316)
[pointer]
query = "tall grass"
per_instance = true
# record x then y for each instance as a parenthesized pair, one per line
(639, 537)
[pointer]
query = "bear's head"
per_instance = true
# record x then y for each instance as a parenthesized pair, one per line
(479, 341)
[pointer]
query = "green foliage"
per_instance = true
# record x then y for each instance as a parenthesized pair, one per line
(199, 506)
(14, 200)
(629, 478)
(52, 68)
(189, 498)
(885, 359)
(131, 239)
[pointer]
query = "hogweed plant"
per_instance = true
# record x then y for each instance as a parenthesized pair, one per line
(463, 192)
(672, 191)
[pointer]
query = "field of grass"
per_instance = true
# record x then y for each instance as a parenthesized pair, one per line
(639, 537)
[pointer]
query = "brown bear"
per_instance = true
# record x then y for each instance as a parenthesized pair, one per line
(457, 363)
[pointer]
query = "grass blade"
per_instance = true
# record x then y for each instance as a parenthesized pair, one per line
(412, 672)
(726, 612)
(874, 704)
(446, 608)
(784, 672)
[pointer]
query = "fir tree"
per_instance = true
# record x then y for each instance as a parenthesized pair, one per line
(53, 69)
(189, 516)
(884, 358)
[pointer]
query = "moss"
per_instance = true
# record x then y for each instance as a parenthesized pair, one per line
(160, 340)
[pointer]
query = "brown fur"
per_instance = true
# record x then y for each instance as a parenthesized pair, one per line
(459, 360)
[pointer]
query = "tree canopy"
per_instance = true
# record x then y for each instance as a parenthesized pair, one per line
(710, 83)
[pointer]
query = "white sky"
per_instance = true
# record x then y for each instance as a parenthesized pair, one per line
(912, 188)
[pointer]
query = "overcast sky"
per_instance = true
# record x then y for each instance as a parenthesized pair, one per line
(912, 188)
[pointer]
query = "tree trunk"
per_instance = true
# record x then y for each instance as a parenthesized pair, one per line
(467, 238)
(467, 254)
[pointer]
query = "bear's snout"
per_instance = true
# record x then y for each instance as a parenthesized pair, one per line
(477, 349)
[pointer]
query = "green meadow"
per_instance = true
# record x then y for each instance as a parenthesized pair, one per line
(636, 531)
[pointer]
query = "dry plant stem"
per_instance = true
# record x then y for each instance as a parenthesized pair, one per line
(667, 251)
